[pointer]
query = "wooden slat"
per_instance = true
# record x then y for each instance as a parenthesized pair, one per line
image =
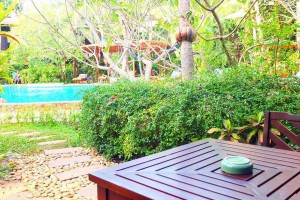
(161, 155)
(295, 124)
(266, 162)
(180, 157)
(216, 176)
(282, 129)
(245, 177)
(295, 196)
(163, 188)
(201, 191)
(211, 163)
(272, 119)
(294, 162)
(183, 161)
(199, 161)
(284, 115)
(271, 185)
(258, 152)
(279, 142)
(266, 175)
(122, 185)
(251, 147)
(289, 188)
(219, 182)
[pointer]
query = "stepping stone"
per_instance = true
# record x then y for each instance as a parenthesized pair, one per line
(51, 142)
(78, 172)
(8, 133)
(62, 151)
(40, 138)
(29, 134)
(88, 192)
(24, 196)
(68, 161)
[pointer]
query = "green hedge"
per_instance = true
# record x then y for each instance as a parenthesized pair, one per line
(41, 74)
(130, 120)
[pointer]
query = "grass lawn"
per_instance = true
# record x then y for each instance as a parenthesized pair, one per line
(12, 143)
(58, 131)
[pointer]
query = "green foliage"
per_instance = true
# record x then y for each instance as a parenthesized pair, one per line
(4, 57)
(227, 133)
(5, 69)
(271, 52)
(254, 131)
(129, 120)
(41, 74)
(5, 11)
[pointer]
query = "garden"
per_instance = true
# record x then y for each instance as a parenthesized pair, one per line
(156, 75)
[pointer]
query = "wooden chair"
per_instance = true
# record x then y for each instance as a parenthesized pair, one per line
(82, 78)
(272, 119)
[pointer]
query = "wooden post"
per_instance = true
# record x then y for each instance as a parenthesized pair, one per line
(101, 193)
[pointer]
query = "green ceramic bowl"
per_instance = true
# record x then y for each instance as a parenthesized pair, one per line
(236, 165)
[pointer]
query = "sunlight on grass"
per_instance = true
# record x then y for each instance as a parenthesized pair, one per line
(58, 131)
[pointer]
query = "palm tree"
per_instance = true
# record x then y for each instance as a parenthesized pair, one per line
(187, 58)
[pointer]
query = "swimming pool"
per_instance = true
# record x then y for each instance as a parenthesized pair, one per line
(43, 93)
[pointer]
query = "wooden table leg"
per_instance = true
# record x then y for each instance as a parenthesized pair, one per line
(102, 193)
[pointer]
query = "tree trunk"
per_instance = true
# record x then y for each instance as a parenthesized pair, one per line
(148, 69)
(125, 64)
(75, 67)
(258, 18)
(187, 58)
(298, 22)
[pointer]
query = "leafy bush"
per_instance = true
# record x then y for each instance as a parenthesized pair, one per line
(41, 74)
(129, 120)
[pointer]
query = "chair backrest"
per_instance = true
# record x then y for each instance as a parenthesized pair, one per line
(272, 120)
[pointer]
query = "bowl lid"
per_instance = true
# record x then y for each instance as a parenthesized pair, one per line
(238, 160)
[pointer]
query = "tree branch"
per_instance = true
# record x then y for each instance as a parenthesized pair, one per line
(205, 8)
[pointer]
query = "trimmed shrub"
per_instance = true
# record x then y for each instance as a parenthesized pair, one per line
(129, 120)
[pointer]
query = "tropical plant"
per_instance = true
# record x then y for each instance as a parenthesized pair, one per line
(4, 13)
(4, 57)
(254, 131)
(4, 68)
(226, 133)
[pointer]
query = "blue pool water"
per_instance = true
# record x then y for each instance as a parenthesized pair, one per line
(43, 93)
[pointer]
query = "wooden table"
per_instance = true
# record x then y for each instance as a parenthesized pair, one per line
(192, 171)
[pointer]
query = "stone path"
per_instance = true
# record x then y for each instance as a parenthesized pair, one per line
(9, 133)
(40, 138)
(51, 142)
(29, 134)
(54, 174)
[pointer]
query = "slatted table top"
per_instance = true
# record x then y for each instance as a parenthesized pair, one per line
(193, 171)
